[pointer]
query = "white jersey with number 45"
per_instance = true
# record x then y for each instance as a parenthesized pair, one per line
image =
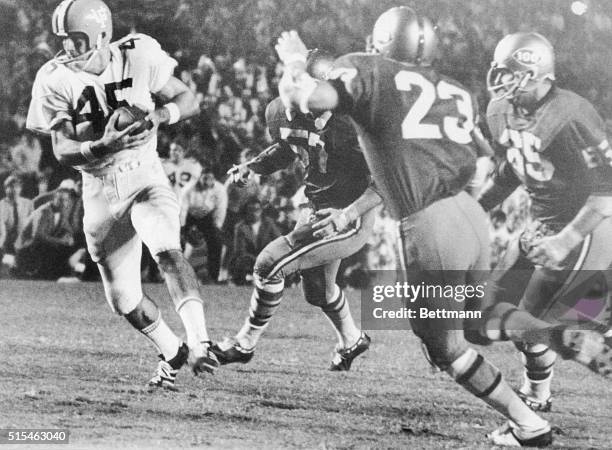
(138, 67)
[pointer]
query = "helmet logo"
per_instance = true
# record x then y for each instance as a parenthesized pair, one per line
(527, 56)
(98, 15)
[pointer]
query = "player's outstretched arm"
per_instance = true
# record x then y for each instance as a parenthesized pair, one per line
(276, 157)
(180, 103)
(297, 89)
(71, 152)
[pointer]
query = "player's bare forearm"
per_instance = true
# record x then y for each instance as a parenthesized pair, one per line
(366, 201)
(69, 151)
(595, 209)
(552, 251)
(180, 103)
(276, 157)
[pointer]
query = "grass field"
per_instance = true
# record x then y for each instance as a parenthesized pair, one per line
(68, 362)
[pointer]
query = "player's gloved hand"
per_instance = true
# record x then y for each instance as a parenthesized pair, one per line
(332, 221)
(551, 251)
(113, 140)
(290, 48)
(239, 174)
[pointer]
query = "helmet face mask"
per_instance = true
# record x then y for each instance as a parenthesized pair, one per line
(76, 45)
(504, 83)
(85, 27)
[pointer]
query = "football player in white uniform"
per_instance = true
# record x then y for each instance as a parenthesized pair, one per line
(183, 172)
(126, 196)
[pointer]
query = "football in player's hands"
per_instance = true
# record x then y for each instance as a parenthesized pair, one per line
(129, 115)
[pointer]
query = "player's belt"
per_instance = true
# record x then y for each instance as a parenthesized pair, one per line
(128, 166)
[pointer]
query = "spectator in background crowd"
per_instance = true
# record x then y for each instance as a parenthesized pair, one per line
(183, 172)
(236, 199)
(205, 206)
(500, 236)
(48, 238)
(14, 213)
(252, 234)
(76, 215)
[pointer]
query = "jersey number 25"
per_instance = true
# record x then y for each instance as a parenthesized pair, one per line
(455, 128)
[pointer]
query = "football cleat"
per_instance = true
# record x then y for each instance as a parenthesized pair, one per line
(508, 435)
(165, 375)
(202, 359)
(588, 348)
(343, 357)
(536, 404)
(230, 351)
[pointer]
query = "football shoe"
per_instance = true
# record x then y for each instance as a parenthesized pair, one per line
(510, 436)
(165, 375)
(230, 351)
(202, 359)
(536, 404)
(343, 357)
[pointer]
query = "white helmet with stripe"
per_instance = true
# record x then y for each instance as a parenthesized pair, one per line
(91, 18)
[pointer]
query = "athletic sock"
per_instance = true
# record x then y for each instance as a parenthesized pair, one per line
(164, 339)
(472, 371)
(265, 299)
(539, 361)
(339, 314)
(191, 312)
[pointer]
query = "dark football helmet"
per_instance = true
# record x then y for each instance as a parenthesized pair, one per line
(521, 61)
(401, 35)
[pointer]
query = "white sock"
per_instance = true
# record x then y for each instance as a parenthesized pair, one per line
(249, 334)
(339, 314)
(538, 389)
(191, 312)
(164, 339)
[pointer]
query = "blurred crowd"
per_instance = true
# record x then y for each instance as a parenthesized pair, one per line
(224, 227)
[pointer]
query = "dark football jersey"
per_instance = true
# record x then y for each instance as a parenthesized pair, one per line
(414, 126)
(559, 152)
(336, 173)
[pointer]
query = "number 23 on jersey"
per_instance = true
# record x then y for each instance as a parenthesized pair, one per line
(457, 129)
